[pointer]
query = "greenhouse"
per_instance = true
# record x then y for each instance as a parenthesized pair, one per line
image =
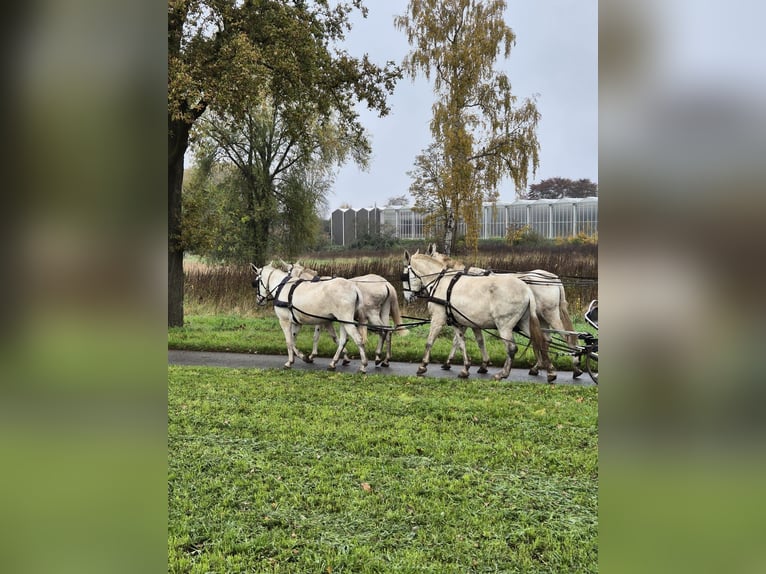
(549, 218)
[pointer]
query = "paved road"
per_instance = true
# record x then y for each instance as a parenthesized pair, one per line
(249, 361)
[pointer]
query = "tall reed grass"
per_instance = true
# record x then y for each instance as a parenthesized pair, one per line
(214, 289)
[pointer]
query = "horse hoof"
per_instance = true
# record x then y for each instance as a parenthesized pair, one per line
(534, 372)
(346, 362)
(482, 370)
(551, 378)
(384, 364)
(330, 367)
(377, 362)
(446, 366)
(576, 372)
(308, 360)
(463, 374)
(421, 370)
(287, 365)
(498, 377)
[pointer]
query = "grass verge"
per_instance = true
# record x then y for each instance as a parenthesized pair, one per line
(275, 471)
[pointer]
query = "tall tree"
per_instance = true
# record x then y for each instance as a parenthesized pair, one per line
(558, 187)
(483, 134)
(226, 55)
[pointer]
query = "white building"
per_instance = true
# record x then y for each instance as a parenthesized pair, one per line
(549, 218)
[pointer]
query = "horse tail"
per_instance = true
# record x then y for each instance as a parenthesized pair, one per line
(535, 330)
(566, 320)
(361, 316)
(395, 312)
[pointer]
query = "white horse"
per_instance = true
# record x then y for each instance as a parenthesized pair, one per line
(501, 302)
(550, 300)
(380, 305)
(298, 302)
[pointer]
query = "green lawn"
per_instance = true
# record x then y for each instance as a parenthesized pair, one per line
(287, 471)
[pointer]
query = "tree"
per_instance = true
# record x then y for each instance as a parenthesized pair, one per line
(226, 55)
(285, 176)
(428, 189)
(483, 136)
(398, 200)
(558, 187)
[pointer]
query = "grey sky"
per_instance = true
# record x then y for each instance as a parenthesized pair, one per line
(555, 58)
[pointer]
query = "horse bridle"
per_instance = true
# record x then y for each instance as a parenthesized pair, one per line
(423, 287)
(261, 299)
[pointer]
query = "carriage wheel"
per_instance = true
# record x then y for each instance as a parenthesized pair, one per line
(591, 364)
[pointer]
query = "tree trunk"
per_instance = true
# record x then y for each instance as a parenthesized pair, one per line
(178, 141)
(449, 232)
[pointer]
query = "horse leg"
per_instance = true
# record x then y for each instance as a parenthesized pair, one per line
(460, 336)
(510, 350)
(535, 369)
(294, 330)
(379, 348)
(433, 332)
(483, 348)
(357, 338)
(287, 329)
(550, 318)
(385, 337)
(541, 350)
(447, 365)
(315, 346)
(342, 338)
(386, 340)
(346, 359)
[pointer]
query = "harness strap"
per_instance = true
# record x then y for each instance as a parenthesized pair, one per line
(449, 309)
(282, 283)
(289, 303)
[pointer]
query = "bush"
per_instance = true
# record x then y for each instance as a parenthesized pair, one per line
(524, 236)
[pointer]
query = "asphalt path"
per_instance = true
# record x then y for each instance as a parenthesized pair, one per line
(256, 361)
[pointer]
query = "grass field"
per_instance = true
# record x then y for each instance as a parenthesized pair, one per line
(279, 471)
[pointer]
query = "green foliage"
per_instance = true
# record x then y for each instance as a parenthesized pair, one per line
(227, 58)
(383, 240)
(274, 471)
(559, 187)
(525, 235)
(581, 238)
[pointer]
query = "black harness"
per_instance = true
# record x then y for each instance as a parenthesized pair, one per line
(448, 307)
(289, 303)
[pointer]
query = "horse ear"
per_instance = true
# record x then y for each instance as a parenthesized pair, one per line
(253, 267)
(406, 256)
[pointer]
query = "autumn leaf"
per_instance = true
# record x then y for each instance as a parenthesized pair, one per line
(366, 487)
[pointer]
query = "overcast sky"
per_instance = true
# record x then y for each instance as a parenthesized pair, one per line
(555, 59)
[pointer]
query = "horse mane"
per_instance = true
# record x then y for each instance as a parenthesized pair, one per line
(281, 265)
(446, 260)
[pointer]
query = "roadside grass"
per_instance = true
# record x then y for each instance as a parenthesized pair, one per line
(262, 335)
(279, 471)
